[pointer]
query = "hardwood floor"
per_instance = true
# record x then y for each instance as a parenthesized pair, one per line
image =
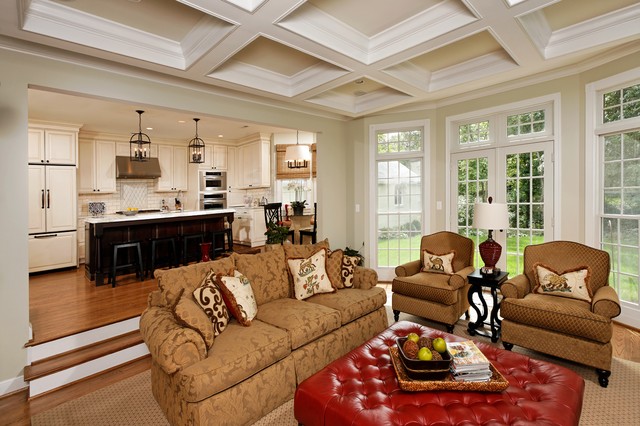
(64, 302)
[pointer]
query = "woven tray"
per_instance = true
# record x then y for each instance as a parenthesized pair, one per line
(497, 383)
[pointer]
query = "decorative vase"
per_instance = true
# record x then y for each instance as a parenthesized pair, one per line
(298, 210)
(205, 248)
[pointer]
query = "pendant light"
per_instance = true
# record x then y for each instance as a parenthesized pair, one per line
(139, 144)
(196, 147)
(297, 156)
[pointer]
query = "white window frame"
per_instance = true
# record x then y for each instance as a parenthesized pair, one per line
(388, 273)
(594, 129)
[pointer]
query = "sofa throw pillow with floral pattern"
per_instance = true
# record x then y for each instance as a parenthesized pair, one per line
(349, 264)
(573, 283)
(209, 297)
(442, 263)
(310, 275)
(238, 296)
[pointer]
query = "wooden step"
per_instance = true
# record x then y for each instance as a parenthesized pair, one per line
(79, 356)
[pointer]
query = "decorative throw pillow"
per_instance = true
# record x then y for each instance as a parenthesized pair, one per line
(190, 314)
(297, 251)
(349, 264)
(573, 283)
(442, 263)
(334, 268)
(310, 275)
(209, 298)
(238, 295)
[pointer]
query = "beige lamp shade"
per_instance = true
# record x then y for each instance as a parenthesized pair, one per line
(297, 153)
(490, 216)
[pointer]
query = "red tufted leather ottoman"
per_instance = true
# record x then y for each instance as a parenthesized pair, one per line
(361, 389)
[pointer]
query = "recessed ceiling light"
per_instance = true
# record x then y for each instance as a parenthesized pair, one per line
(181, 121)
(220, 136)
(149, 128)
(360, 81)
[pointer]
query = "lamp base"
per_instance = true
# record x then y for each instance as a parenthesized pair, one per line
(490, 252)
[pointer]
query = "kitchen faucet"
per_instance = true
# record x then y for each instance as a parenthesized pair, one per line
(178, 202)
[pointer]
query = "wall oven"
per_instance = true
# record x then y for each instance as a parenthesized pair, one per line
(213, 200)
(211, 181)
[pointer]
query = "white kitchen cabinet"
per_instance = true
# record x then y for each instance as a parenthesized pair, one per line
(52, 251)
(52, 146)
(96, 166)
(255, 161)
(215, 158)
(52, 198)
(173, 168)
(248, 227)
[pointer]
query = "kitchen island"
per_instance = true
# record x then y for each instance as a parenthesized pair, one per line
(103, 231)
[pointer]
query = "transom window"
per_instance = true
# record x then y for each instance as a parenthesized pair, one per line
(621, 104)
(473, 133)
(526, 123)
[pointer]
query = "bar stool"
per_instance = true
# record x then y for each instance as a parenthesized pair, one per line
(136, 260)
(193, 241)
(227, 242)
(171, 259)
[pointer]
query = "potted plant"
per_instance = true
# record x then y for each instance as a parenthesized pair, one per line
(298, 207)
(353, 252)
(276, 233)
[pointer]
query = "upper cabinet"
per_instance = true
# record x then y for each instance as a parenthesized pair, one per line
(173, 168)
(254, 164)
(96, 166)
(56, 145)
(284, 172)
(215, 158)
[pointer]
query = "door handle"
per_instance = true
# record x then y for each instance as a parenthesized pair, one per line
(46, 236)
(48, 199)
(42, 199)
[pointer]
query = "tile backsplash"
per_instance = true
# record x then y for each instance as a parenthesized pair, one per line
(138, 193)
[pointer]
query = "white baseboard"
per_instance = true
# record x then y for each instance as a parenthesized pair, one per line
(64, 377)
(12, 385)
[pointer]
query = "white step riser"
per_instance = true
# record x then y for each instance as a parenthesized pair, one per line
(65, 344)
(64, 377)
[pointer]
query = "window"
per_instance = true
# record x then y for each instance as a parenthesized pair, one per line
(399, 216)
(473, 133)
(613, 202)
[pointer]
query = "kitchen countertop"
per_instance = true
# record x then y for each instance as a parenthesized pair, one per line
(142, 216)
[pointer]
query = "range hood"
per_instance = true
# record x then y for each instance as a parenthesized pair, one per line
(127, 169)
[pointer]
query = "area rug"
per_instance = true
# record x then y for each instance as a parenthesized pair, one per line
(130, 401)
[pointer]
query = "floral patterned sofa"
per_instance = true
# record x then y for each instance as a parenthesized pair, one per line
(239, 374)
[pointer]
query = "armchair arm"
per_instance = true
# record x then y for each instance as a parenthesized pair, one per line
(172, 346)
(606, 302)
(516, 287)
(459, 279)
(364, 278)
(408, 269)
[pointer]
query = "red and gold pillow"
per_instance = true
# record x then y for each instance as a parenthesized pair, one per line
(238, 296)
(573, 283)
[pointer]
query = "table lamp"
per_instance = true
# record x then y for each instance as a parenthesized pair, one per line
(490, 216)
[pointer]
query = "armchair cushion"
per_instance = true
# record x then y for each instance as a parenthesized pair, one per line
(441, 263)
(563, 315)
(573, 283)
(427, 286)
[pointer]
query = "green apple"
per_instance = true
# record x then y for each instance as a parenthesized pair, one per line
(413, 336)
(424, 354)
(439, 345)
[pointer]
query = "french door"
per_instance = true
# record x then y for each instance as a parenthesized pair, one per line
(520, 176)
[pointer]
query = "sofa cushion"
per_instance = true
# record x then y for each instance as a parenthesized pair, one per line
(573, 283)
(303, 321)
(558, 314)
(310, 275)
(304, 250)
(236, 355)
(267, 272)
(209, 297)
(352, 303)
(187, 278)
(190, 314)
(428, 286)
(442, 263)
(238, 296)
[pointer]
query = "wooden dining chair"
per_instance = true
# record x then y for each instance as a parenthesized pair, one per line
(273, 214)
(313, 231)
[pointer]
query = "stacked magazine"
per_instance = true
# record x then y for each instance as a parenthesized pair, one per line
(469, 364)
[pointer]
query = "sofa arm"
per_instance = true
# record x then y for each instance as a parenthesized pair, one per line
(606, 302)
(172, 346)
(155, 298)
(364, 278)
(516, 287)
(408, 269)
(459, 279)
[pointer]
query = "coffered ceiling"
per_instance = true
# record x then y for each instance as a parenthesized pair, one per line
(344, 57)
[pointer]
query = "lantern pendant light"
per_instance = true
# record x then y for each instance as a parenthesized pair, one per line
(297, 156)
(196, 147)
(139, 144)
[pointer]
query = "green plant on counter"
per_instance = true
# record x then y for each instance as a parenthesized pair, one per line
(299, 204)
(276, 234)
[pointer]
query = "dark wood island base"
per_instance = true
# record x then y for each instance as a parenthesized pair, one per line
(102, 232)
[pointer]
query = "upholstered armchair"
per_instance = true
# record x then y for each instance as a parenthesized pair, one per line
(435, 286)
(562, 305)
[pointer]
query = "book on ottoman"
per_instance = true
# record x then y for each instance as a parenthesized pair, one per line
(469, 364)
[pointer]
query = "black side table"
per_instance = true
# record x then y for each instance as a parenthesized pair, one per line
(478, 281)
